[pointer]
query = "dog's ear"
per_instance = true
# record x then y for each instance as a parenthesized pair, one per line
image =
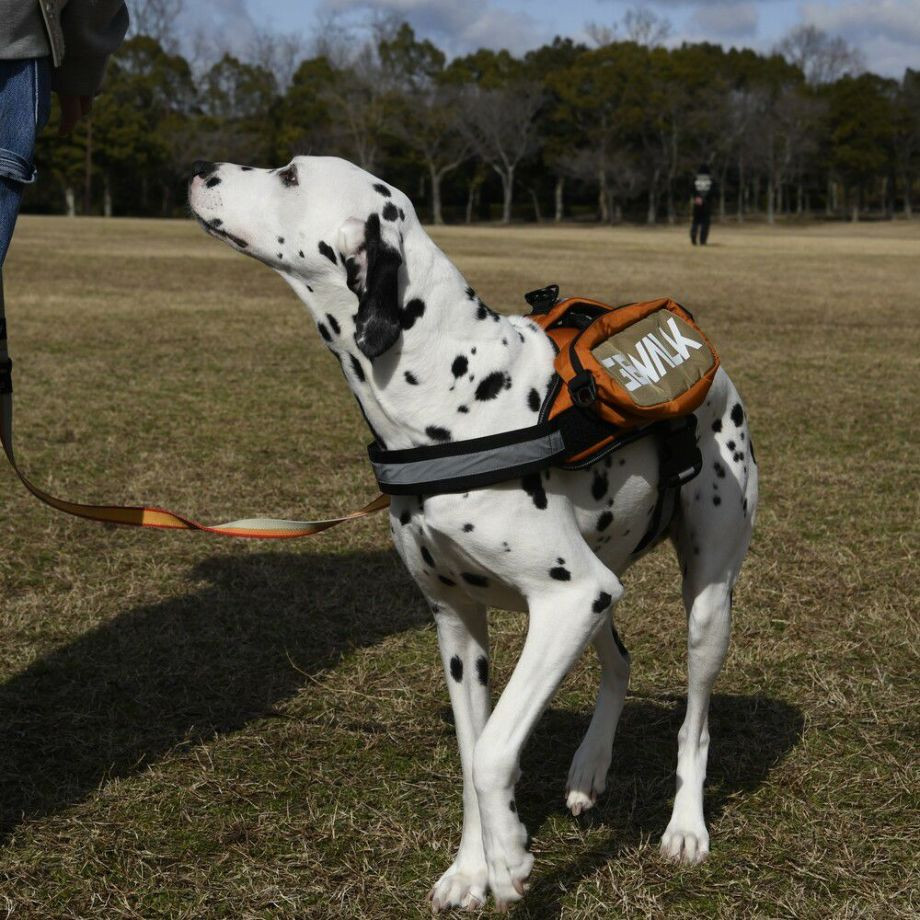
(372, 262)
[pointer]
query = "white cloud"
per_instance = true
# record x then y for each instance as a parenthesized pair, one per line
(458, 27)
(887, 32)
(726, 20)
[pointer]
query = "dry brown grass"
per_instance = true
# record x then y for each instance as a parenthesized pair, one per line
(197, 728)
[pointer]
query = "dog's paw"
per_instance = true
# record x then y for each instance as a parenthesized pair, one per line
(587, 779)
(510, 865)
(463, 885)
(688, 845)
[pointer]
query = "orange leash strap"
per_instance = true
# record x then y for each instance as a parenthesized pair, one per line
(138, 516)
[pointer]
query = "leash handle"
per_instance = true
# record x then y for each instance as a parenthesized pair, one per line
(144, 516)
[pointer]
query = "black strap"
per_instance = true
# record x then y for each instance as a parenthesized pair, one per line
(679, 461)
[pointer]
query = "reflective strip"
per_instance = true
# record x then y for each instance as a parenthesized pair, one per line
(495, 459)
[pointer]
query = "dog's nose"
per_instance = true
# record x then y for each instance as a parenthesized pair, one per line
(203, 168)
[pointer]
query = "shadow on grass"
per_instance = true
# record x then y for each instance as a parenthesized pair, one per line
(177, 672)
(124, 694)
(750, 735)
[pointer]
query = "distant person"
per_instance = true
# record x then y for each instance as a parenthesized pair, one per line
(702, 192)
(59, 45)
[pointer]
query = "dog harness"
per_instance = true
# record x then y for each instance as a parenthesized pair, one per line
(621, 373)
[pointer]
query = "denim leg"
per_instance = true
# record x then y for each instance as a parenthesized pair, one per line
(25, 98)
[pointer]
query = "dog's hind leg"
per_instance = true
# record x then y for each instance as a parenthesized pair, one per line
(463, 638)
(562, 622)
(713, 531)
(588, 773)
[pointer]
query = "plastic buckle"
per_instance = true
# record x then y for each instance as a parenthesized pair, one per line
(583, 390)
(543, 299)
(6, 376)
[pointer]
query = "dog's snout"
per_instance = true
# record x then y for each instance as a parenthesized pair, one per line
(203, 168)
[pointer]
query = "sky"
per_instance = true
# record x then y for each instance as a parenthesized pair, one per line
(886, 32)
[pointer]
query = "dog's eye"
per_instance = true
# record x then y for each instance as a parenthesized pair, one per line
(289, 175)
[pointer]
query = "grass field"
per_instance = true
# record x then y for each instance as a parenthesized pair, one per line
(192, 727)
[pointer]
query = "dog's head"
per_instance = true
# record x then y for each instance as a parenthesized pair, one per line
(324, 224)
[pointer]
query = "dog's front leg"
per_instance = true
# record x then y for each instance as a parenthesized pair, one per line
(463, 638)
(562, 622)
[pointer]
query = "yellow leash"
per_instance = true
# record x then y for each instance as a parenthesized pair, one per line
(142, 516)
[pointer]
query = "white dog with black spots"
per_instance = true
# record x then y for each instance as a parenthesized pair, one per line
(429, 362)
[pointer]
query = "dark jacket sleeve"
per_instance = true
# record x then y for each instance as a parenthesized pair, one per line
(93, 29)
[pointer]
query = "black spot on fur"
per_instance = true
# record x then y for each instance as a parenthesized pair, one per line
(462, 409)
(602, 602)
(389, 211)
(560, 573)
(437, 434)
(300, 253)
(411, 379)
(599, 485)
(281, 256)
(281, 240)
(482, 670)
(478, 581)
(752, 452)
(459, 366)
(470, 293)
(533, 400)
(737, 414)
(324, 332)
(352, 279)
(730, 445)
(468, 528)
(426, 555)
(326, 250)
(716, 500)
(447, 581)
(405, 517)
(738, 457)
(402, 214)
(604, 520)
(717, 425)
(491, 385)
(512, 806)
(333, 323)
(533, 486)
(214, 180)
(356, 367)
(456, 668)
(720, 470)
(382, 189)
(245, 168)
(412, 311)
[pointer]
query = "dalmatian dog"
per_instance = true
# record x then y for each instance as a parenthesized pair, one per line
(429, 362)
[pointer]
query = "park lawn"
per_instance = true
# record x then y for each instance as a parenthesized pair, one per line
(195, 727)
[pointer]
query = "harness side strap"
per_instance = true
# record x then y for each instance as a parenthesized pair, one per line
(140, 516)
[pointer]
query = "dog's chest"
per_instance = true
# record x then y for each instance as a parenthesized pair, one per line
(493, 543)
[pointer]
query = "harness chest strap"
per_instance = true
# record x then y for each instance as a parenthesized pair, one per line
(142, 516)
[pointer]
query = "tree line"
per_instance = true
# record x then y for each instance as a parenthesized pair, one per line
(609, 131)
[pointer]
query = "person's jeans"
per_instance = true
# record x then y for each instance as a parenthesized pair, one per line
(25, 101)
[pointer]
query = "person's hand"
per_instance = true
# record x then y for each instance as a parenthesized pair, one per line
(73, 108)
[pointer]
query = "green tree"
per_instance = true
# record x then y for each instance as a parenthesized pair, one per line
(861, 123)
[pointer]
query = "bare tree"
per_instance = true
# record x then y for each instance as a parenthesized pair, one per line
(821, 57)
(158, 19)
(500, 125)
(279, 54)
(639, 24)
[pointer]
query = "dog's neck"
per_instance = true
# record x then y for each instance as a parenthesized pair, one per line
(458, 370)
